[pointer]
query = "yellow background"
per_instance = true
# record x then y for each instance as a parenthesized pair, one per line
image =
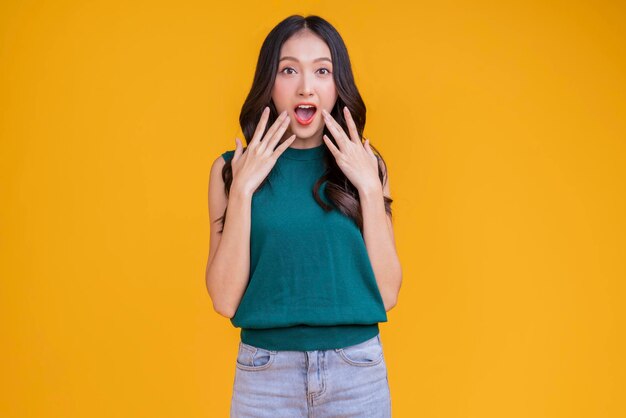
(503, 124)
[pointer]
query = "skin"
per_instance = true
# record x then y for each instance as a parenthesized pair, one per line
(360, 165)
(304, 81)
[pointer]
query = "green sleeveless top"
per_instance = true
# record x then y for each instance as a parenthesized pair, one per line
(311, 284)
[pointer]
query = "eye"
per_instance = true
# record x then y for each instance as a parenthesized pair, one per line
(284, 70)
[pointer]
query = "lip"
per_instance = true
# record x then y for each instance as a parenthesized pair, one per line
(308, 121)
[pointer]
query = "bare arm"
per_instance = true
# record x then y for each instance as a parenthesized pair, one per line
(228, 267)
(380, 242)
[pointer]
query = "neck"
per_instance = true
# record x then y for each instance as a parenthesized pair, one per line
(303, 143)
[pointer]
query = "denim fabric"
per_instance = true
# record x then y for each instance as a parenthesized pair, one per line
(343, 382)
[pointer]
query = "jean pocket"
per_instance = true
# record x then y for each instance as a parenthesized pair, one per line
(367, 353)
(254, 358)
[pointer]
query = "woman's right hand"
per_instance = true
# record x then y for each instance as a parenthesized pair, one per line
(250, 167)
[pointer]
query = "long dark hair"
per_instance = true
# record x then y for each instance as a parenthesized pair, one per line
(339, 190)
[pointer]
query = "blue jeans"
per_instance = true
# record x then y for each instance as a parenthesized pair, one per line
(343, 382)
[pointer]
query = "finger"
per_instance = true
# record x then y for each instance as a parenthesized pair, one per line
(281, 120)
(335, 129)
(369, 149)
(354, 133)
(260, 127)
(282, 147)
(238, 150)
(331, 147)
(273, 140)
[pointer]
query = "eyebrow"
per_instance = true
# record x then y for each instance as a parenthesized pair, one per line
(296, 60)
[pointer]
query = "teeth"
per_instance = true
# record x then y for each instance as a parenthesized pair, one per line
(306, 106)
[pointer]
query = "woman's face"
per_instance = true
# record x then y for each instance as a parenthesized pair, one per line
(305, 76)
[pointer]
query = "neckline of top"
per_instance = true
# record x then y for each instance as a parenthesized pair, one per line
(304, 154)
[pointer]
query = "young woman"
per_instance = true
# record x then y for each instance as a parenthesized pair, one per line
(305, 261)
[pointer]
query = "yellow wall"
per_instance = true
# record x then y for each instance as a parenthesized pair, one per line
(504, 129)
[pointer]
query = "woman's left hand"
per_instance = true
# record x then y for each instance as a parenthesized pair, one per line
(357, 160)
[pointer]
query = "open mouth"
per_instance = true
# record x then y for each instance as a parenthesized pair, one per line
(305, 113)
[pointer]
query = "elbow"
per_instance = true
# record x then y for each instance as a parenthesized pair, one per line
(224, 311)
(219, 305)
(222, 308)
(390, 304)
(392, 300)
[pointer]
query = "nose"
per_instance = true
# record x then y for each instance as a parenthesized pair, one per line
(305, 87)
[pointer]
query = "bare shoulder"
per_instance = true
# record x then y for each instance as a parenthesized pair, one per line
(217, 204)
(218, 164)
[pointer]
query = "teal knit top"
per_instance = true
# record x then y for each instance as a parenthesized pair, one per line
(311, 283)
